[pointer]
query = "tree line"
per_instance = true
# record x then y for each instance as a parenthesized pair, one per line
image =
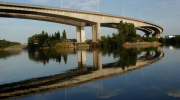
(4, 43)
(126, 33)
(45, 40)
(174, 40)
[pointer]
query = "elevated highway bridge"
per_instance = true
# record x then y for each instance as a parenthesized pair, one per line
(77, 18)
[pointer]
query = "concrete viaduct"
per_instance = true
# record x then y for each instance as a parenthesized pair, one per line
(76, 18)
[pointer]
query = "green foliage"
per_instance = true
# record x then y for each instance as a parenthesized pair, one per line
(58, 34)
(64, 35)
(162, 40)
(126, 32)
(37, 40)
(4, 43)
(53, 43)
(150, 39)
(174, 40)
(44, 40)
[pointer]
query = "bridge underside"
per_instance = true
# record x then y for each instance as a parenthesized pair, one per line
(78, 24)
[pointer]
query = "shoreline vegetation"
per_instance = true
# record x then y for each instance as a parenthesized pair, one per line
(126, 36)
(4, 44)
(71, 45)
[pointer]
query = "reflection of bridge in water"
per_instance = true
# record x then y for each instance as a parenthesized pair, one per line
(77, 76)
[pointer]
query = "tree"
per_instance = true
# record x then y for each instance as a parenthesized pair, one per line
(37, 39)
(55, 35)
(64, 35)
(121, 36)
(58, 34)
(52, 35)
(4, 43)
(43, 32)
(121, 28)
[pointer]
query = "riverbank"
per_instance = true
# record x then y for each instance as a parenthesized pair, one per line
(77, 45)
(17, 47)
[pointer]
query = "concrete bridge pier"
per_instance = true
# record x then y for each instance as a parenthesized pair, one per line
(97, 60)
(96, 32)
(81, 59)
(80, 32)
(147, 34)
(156, 35)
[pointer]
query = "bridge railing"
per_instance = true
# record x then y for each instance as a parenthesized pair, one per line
(93, 12)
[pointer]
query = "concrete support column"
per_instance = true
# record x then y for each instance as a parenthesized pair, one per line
(97, 60)
(98, 29)
(94, 36)
(96, 32)
(81, 59)
(80, 32)
(156, 35)
(147, 34)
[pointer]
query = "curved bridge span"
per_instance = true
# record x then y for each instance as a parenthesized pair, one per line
(77, 18)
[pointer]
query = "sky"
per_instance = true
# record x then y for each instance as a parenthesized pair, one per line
(165, 13)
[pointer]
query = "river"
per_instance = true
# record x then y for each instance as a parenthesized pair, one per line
(141, 73)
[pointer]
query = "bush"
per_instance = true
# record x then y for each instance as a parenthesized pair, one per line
(4, 43)
(150, 39)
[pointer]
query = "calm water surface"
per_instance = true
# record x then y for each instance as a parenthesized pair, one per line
(89, 74)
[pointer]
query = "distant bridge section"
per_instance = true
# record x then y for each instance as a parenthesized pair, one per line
(77, 18)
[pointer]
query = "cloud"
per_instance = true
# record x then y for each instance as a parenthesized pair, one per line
(18, 28)
(108, 94)
(174, 93)
(3, 21)
(89, 5)
(169, 5)
(40, 1)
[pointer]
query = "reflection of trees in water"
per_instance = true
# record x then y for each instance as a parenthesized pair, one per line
(128, 56)
(5, 54)
(44, 56)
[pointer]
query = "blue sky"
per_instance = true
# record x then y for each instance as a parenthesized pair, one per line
(165, 13)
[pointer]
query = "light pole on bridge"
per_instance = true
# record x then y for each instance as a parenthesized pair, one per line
(61, 3)
(123, 6)
(140, 14)
(98, 6)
